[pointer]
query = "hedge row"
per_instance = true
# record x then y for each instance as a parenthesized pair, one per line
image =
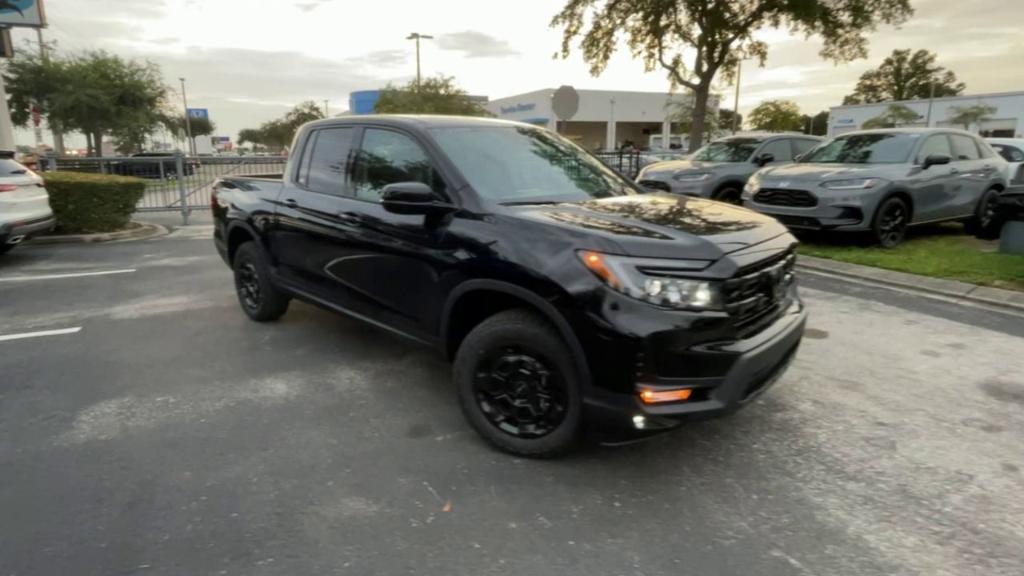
(85, 203)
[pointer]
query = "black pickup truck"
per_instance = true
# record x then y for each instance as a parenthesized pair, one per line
(568, 298)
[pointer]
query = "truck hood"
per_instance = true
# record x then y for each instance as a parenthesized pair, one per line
(660, 225)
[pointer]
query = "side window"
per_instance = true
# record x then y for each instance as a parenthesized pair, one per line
(964, 147)
(388, 157)
(1009, 153)
(803, 146)
(778, 148)
(935, 144)
(324, 171)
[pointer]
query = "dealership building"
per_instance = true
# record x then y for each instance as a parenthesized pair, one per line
(1006, 122)
(605, 120)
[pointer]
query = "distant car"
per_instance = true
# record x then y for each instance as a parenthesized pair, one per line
(151, 169)
(24, 204)
(1012, 150)
(883, 181)
(720, 169)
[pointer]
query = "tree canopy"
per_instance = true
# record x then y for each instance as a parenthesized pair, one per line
(967, 115)
(776, 116)
(816, 125)
(905, 76)
(438, 95)
(696, 41)
(894, 115)
(280, 132)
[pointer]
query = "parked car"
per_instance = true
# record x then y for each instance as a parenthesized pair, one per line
(151, 169)
(883, 181)
(24, 204)
(720, 169)
(564, 295)
(1012, 150)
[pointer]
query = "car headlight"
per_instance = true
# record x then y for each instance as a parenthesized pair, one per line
(660, 282)
(852, 184)
(691, 176)
(752, 186)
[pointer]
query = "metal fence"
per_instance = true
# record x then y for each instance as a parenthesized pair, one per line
(173, 183)
(627, 163)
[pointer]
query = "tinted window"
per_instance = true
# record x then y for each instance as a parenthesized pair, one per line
(936, 144)
(325, 171)
(1009, 153)
(804, 146)
(735, 150)
(780, 149)
(882, 148)
(964, 147)
(526, 165)
(388, 157)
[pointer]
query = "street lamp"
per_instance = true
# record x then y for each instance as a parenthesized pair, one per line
(188, 121)
(417, 36)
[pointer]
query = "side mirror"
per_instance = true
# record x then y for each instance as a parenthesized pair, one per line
(410, 198)
(765, 158)
(936, 160)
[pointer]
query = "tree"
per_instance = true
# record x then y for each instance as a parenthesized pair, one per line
(279, 133)
(681, 113)
(816, 125)
(967, 115)
(437, 95)
(727, 117)
(905, 76)
(716, 35)
(776, 116)
(175, 124)
(894, 115)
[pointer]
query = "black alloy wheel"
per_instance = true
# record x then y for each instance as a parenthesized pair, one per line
(260, 299)
(891, 222)
(519, 393)
(249, 287)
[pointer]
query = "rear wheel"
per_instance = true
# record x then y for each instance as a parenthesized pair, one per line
(891, 220)
(984, 223)
(260, 299)
(517, 385)
(730, 194)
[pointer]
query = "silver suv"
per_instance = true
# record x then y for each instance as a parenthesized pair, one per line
(883, 181)
(720, 169)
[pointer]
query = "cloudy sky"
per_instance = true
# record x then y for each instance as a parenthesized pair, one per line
(248, 61)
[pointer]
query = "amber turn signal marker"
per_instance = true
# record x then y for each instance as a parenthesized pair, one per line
(658, 396)
(596, 264)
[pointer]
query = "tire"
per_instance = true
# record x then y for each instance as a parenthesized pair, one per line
(985, 224)
(5, 248)
(890, 223)
(516, 356)
(729, 194)
(260, 299)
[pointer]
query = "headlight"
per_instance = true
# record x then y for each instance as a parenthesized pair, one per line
(752, 186)
(852, 184)
(656, 281)
(691, 177)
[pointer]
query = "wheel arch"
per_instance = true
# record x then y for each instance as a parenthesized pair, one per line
(237, 234)
(902, 194)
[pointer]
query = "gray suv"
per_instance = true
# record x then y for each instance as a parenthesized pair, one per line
(883, 181)
(720, 169)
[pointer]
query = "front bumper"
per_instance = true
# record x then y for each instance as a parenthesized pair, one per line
(723, 373)
(835, 210)
(18, 231)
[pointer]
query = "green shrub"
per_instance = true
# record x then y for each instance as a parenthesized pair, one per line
(86, 203)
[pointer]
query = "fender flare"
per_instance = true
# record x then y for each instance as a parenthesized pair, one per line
(235, 225)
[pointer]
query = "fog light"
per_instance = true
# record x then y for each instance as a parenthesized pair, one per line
(649, 396)
(639, 422)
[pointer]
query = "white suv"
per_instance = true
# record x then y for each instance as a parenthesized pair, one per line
(24, 204)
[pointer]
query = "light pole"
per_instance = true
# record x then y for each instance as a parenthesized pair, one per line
(326, 113)
(417, 36)
(736, 102)
(188, 121)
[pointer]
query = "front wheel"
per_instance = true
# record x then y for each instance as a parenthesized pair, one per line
(260, 299)
(729, 194)
(984, 224)
(5, 247)
(891, 220)
(518, 387)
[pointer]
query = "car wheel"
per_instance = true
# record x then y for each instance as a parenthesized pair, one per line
(518, 386)
(729, 194)
(260, 299)
(5, 247)
(984, 224)
(891, 220)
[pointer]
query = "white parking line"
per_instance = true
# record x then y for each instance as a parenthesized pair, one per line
(39, 334)
(59, 276)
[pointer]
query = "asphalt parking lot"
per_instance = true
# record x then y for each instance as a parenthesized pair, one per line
(153, 429)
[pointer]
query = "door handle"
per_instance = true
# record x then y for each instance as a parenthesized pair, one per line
(350, 217)
(290, 203)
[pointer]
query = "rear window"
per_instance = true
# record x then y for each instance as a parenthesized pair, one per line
(1009, 153)
(882, 148)
(8, 166)
(327, 157)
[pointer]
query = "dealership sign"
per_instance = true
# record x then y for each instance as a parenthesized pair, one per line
(515, 108)
(24, 13)
(194, 113)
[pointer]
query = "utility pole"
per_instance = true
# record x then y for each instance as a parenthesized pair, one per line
(736, 103)
(417, 36)
(58, 135)
(931, 97)
(327, 114)
(188, 121)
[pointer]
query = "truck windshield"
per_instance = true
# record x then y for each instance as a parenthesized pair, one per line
(731, 151)
(883, 148)
(522, 165)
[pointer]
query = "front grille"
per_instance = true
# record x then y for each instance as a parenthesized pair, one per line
(784, 197)
(757, 293)
(656, 185)
(798, 221)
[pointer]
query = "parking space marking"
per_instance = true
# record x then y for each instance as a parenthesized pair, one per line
(40, 334)
(71, 275)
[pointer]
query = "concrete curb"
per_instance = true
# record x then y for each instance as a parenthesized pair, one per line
(145, 230)
(1009, 299)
